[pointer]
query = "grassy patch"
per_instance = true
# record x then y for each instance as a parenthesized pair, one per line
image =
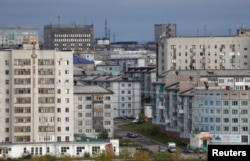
(150, 131)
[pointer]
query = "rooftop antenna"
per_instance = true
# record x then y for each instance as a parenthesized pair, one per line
(59, 18)
(205, 30)
(106, 28)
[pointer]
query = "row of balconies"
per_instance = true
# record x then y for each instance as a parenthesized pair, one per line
(46, 62)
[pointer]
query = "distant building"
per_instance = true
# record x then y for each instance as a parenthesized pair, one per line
(204, 52)
(93, 110)
(214, 101)
(127, 92)
(69, 37)
(83, 63)
(146, 75)
(16, 36)
(109, 68)
(164, 30)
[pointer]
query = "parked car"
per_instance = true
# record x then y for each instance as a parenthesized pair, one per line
(131, 135)
(162, 149)
(200, 150)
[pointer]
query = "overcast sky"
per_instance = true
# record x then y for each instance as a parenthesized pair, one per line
(131, 20)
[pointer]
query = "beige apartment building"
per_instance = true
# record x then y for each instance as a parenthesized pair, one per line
(93, 110)
(210, 52)
(36, 96)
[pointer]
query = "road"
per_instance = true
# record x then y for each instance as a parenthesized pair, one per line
(152, 145)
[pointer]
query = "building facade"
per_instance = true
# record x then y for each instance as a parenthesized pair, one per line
(192, 101)
(164, 30)
(189, 53)
(93, 111)
(69, 37)
(14, 36)
(127, 92)
(37, 96)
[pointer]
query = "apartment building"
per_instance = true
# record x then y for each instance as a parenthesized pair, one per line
(93, 110)
(14, 36)
(69, 37)
(37, 96)
(146, 75)
(211, 52)
(127, 92)
(223, 112)
(180, 101)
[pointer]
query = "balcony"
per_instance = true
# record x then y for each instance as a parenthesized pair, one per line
(23, 100)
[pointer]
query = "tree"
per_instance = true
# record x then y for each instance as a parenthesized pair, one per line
(125, 155)
(104, 156)
(104, 134)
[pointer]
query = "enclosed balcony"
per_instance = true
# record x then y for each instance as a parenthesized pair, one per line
(22, 100)
(46, 72)
(22, 129)
(45, 62)
(22, 71)
(46, 81)
(24, 81)
(46, 90)
(22, 90)
(22, 62)
(48, 100)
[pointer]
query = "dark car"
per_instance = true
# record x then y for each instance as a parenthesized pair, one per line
(131, 135)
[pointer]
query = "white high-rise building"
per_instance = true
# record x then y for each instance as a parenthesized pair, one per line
(36, 96)
(207, 52)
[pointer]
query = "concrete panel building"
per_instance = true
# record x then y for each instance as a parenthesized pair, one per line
(37, 96)
(93, 110)
(211, 52)
(69, 37)
(15, 36)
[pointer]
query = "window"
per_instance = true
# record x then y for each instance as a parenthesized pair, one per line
(88, 98)
(244, 128)
(244, 120)
(244, 138)
(79, 114)
(79, 98)
(226, 128)
(234, 103)
(107, 106)
(226, 120)
(217, 120)
(234, 120)
(79, 107)
(225, 103)
(225, 111)
(217, 103)
(88, 107)
(66, 109)
(221, 80)
(67, 128)
(66, 71)
(244, 103)
(234, 128)
(234, 112)
(244, 112)
(107, 98)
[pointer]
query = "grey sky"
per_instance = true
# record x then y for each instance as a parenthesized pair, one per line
(131, 20)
